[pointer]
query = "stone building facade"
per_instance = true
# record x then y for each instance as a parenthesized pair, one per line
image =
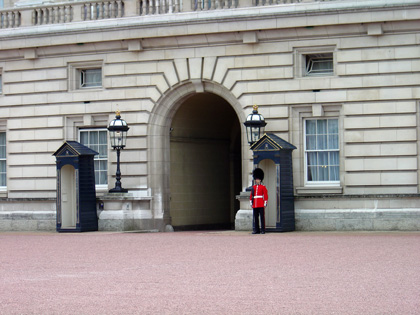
(340, 80)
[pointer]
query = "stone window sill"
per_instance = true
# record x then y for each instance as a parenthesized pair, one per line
(319, 190)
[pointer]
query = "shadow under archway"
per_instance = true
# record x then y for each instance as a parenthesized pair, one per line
(205, 164)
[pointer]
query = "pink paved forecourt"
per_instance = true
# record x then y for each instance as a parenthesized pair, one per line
(219, 272)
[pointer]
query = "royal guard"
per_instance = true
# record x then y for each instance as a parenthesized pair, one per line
(258, 200)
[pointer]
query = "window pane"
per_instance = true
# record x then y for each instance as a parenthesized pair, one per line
(3, 166)
(312, 173)
(311, 127)
(333, 126)
(93, 77)
(334, 173)
(320, 66)
(2, 138)
(102, 137)
(93, 137)
(311, 143)
(322, 173)
(323, 158)
(84, 138)
(3, 173)
(321, 142)
(103, 178)
(333, 142)
(103, 151)
(312, 158)
(334, 158)
(321, 126)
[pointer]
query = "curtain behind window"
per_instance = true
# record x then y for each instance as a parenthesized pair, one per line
(322, 150)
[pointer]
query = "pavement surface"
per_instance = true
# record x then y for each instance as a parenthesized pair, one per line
(219, 272)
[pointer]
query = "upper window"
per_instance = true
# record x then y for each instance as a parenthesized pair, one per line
(85, 75)
(314, 61)
(90, 78)
(322, 151)
(319, 64)
(3, 176)
(96, 139)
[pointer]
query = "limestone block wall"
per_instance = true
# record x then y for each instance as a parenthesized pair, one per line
(245, 58)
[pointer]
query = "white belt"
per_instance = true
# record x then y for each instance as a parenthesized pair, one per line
(258, 196)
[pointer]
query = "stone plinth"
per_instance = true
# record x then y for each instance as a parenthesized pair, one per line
(243, 218)
(125, 212)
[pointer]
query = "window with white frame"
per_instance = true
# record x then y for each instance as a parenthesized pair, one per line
(319, 64)
(85, 75)
(97, 140)
(314, 61)
(90, 78)
(3, 177)
(322, 156)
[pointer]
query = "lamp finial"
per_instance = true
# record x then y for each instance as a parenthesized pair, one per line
(255, 107)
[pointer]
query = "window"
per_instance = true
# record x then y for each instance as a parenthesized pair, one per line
(85, 75)
(314, 61)
(96, 139)
(322, 151)
(319, 64)
(90, 78)
(1, 83)
(3, 177)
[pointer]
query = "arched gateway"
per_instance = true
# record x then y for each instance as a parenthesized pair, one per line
(195, 156)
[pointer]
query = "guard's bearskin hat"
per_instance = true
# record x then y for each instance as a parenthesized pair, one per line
(258, 174)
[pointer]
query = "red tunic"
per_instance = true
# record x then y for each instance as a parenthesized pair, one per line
(260, 196)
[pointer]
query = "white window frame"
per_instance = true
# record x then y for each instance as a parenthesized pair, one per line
(312, 59)
(303, 55)
(84, 78)
(78, 72)
(98, 157)
(306, 151)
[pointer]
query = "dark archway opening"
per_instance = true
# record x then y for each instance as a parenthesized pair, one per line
(205, 164)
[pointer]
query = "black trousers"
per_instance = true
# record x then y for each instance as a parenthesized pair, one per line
(258, 212)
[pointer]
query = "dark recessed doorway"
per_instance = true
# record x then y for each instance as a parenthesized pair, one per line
(205, 164)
